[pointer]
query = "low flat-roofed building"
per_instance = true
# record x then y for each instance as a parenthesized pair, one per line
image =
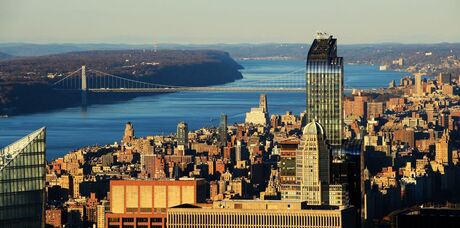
(261, 213)
(144, 203)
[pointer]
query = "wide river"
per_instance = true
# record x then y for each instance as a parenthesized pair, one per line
(71, 128)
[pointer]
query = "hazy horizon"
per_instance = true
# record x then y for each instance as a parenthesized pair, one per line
(212, 44)
(205, 22)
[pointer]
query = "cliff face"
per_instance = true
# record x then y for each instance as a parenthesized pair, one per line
(24, 87)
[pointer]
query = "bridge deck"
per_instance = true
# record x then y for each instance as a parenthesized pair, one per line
(223, 89)
(197, 89)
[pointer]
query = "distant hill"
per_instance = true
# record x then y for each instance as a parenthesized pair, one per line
(24, 49)
(355, 53)
(21, 77)
(4, 56)
(148, 65)
(427, 58)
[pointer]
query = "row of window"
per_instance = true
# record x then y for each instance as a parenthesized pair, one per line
(153, 220)
(261, 220)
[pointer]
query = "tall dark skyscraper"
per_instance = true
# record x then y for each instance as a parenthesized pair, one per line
(22, 182)
(223, 130)
(182, 135)
(324, 77)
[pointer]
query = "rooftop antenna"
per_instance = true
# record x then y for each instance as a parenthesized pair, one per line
(155, 46)
(322, 35)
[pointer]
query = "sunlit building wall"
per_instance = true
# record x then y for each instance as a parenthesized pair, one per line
(261, 214)
(313, 165)
(144, 203)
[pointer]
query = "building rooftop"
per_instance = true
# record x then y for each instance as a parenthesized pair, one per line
(313, 128)
(263, 205)
(323, 48)
(8, 153)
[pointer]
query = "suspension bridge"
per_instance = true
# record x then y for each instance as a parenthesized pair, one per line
(95, 81)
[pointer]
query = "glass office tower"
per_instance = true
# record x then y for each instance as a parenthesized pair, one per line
(223, 130)
(22, 182)
(324, 89)
(182, 134)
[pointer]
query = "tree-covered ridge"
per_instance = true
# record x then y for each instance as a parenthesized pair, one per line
(131, 63)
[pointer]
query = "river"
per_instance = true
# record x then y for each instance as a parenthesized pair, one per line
(71, 128)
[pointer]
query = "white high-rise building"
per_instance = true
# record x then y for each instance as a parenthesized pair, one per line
(259, 115)
(312, 162)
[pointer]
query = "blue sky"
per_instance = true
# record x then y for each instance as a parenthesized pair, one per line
(230, 21)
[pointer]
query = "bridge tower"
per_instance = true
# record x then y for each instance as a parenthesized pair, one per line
(84, 87)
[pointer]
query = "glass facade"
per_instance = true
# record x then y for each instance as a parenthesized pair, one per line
(182, 134)
(324, 88)
(22, 182)
(223, 130)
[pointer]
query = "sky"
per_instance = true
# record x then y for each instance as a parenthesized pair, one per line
(228, 21)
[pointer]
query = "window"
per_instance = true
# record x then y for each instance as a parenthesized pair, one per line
(131, 209)
(155, 219)
(114, 219)
(142, 220)
(146, 209)
(128, 219)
